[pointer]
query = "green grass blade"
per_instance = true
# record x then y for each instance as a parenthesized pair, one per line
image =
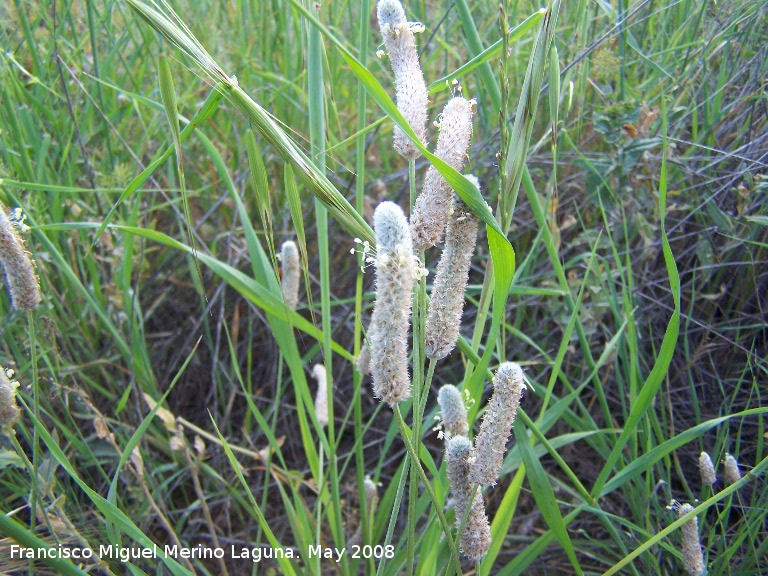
(285, 565)
(486, 55)
(656, 377)
(111, 512)
(260, 187)
(206, 110)
(26, 539)
(696, 512)
(544, 495)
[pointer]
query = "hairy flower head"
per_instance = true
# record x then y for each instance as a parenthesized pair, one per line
(411, 90)
(706, 470)
(430, 212)
(388, 332)
(321, 398)
(490, 444)
(693, 560)
(476, 538)
(732, 472)
(9, 411)
(20, 277)
(454, 412)
(290, 279)
(447, 301)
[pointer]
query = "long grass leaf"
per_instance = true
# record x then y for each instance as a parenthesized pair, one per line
(544, 495)
(656, 377)
(111, 512)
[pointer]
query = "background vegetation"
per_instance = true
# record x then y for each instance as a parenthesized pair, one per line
(166, 388)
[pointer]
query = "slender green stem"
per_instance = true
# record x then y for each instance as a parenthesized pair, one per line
(428, 487)
(18, 533)
(413, 490)
(36, 408)
(316, 92)
(268, 465)
(363, 40)
(395, 510)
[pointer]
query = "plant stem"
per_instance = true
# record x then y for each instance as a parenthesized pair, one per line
(413, 489)
(428, 487)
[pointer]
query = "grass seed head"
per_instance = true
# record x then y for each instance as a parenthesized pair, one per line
(409, 81)
(388, 332)
(490, 444)
(9, 411)
(447, 302)
(430, 213)
(732, 472)
(363, 361)
(476, 538)
(321, 398)
(707, 470)
(693, 559)
(20, 277)
(290, 280)
(454, 412)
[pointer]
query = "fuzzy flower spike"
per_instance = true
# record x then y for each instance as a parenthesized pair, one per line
(388, 332)
(9, 410)
(430, 213)
(20, 277)
(476, 538)
(706, 470)
(447, 303)
(490, 444)
(693, 559)
(409, 80)
(289, 255)
(454, 412)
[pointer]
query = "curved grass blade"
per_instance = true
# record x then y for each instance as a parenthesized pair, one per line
(111, 512)
(338, 206)
(23, 536)
(492, 51)
(668, 344)
(209, 107)
(247, 287)
(168, 95)
(260, 187)
(544, 495)
(285, 565)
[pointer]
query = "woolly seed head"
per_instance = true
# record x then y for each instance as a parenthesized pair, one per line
(490, 444)
(732, 472)
(390, 13)
(321, 398)
(363, 361)
(454, 412)
(430, 212)
(411, 90)
(391, 226)
(692, 556)
(20, 277)
(457, 453)
(706, 470)
(476, 538)
(9, 411)
(371, 493)
(447, 303)
(289, 255)
(388, 331)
